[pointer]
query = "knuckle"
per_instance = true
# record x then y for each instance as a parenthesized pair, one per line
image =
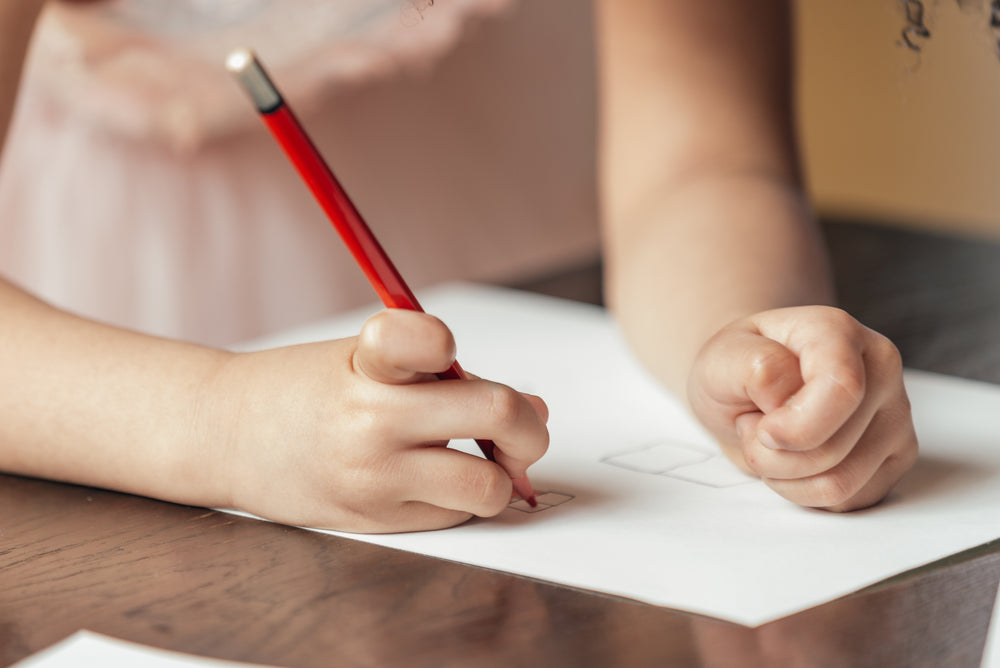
(532, 442)
(818, 460)
(770, 367)
(541, 445)
(840, 320)
(887, 354)
(905, 407)
(504, 405)
(899, 412)
(830, 491)
(823, 461)
(904, 458)
(851, 381)
(910, 454)
(795, 435)
(488, 490)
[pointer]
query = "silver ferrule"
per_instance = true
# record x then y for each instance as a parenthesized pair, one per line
(251, 75)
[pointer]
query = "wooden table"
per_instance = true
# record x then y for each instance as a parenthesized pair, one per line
(218, 585)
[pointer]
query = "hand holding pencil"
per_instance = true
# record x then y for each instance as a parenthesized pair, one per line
(350, 434)
(376, 264)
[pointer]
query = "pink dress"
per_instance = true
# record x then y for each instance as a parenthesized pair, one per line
(138, 188)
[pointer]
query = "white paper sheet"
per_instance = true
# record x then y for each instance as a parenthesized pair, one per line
(85, 649)
(656, 513)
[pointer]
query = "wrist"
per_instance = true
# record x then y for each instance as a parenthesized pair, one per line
(208, 452)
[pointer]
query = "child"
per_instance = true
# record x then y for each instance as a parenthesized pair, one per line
(702, 190)
(714, 267)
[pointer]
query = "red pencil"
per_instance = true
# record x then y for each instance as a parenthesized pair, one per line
(365, 248)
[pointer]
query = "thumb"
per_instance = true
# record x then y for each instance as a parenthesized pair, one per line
(399, 347)
(747, 371)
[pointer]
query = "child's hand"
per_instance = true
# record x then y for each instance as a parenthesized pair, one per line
(811, 401)
(350, 434)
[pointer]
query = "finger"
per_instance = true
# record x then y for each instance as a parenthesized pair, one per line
(885, 478)
(480, 409)
(379, 506)
(398, 347)
(510, 463)
(746, 427)
(749, 371)
(404, 516)
(453, 480)
(536, 401)
(887, 449)
(522, 485)
(541, 408)
(791, 464)
(425, 488)
(831, 348)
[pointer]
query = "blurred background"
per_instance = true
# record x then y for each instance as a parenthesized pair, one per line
(888, 134)
(895, 136)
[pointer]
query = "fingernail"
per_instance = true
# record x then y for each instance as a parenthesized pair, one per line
(744, 425)
(767, 440)
(741, 430)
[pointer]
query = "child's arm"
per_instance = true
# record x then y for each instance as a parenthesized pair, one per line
(707, 225)
(339, 434)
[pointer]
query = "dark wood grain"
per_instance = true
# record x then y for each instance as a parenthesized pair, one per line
(937, 297)
(217, 585)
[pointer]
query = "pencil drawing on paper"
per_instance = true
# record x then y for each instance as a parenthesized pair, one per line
(546, 500)
(681, 461)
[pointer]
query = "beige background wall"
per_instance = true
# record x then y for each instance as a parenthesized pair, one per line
(892, 135)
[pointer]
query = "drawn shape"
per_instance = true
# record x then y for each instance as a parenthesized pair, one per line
(658, 458)
(717, 471)
(681, 462)
(545, 501)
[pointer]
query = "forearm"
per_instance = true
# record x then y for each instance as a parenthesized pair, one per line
(88, 403)
(91, 404)
(704, 218)
(704, 251)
